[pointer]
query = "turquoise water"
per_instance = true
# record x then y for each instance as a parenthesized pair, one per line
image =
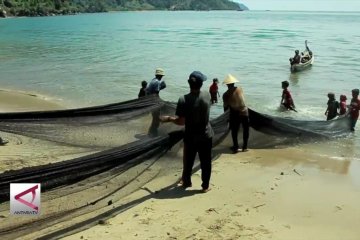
(102, 58)
(94, 59)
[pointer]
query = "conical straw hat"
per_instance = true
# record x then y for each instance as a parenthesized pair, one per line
(230, 79)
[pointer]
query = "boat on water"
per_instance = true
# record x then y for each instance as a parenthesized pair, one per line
(307, 59)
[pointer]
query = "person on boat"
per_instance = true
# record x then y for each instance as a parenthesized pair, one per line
(296, 59)
(305, 57)
(307, 54)
(214, 91)
(332, 107)
(286, 98)
(154, 88)
(142, 91)
(234, 100)
(193, 111)
(354, 108)
(342, 105)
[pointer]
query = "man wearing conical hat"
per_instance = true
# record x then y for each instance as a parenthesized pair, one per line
(234, 101)
(153, 88)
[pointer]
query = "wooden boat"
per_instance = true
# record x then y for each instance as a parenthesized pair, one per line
(307, 59)
(302, 66)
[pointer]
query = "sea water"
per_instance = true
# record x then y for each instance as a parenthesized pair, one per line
(92, 59)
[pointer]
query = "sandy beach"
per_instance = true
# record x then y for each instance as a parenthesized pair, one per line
(261, 194)
(13, 101)
(296, 192)
(19, 148)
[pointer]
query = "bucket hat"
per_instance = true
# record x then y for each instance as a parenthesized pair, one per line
(159, 71)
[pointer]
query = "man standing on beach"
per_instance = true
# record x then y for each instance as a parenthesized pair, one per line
(154, 87)
(193, 111)
(234, 100)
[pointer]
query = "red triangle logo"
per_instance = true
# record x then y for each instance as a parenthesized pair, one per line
(29, 204)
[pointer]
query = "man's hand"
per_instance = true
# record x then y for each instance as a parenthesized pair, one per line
(164, 119)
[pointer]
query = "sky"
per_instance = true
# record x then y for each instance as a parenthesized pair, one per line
(303, 5)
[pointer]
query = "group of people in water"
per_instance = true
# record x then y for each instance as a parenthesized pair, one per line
(232, 99)
(335, 108)
(193, 111)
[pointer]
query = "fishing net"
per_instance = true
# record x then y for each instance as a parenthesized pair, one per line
(96, 128)
(104, 127)
(122, 131)
(122, 157)
(112, 125)
(301, 129)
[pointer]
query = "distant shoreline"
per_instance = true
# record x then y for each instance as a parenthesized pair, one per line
(115, 11)
(51, 8)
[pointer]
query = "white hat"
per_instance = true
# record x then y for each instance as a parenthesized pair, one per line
(230, 79)
(159, 71)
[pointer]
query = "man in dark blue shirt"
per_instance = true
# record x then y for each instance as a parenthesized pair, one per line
(156, 84)
(154, 87)
(193, 110)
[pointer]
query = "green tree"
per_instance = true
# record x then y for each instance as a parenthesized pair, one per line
(43, 7)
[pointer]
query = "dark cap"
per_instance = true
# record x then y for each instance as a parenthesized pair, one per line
(196, 76)
(356, 91)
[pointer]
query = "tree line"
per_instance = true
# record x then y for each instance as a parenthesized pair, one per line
(64, 7)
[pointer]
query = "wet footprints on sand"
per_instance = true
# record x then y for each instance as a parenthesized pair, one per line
(230, 229)
(221, 224)
(276, 183)
(214, 222)
(278, 179)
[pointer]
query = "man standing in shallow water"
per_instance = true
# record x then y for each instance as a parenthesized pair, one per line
(154, 87)
(234, 100)
(354, 108)
(193, 111)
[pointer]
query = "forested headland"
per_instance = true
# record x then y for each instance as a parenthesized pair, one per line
(65, 7)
